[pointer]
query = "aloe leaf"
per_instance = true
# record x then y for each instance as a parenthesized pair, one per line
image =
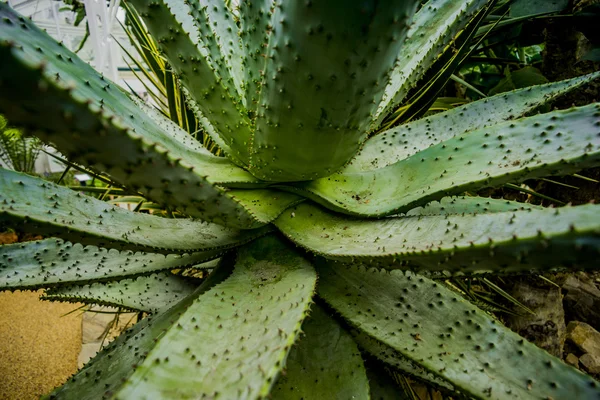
(51, 262)
(326, 364)
(397, 360)
(215, 348)
(382, 386)
(91, 118)
(470, 205)
(265, 205)
(334, 75)
(441, 70)
(216, 96)
(52, 210)
(219, 34)
(403, 141)
(556, 143)
(501, 242)
(255, 26)
(219, 170)
(153, 293)
(433, 27)
(105, 373)
(448, 336)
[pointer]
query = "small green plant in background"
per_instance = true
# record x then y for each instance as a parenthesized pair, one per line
(333, 223)
(17, 151)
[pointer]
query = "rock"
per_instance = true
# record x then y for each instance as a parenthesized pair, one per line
(547, 327)
(572, 359)
(590, 363)
(99, 322)
(88, 351)
(582, 299)
(95, 326)
(586, 338)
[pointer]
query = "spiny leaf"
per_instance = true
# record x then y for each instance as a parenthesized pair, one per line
(326, 364)
(255, 26)
(501, 242)
(383, 386)
(265, 205)
(215, 95)
(219, 34)
(53, 210)
(395, 359)
(403, 141)
(556, 143)
(433, 27)
(233, 341)
(90, 119)
(153, 293)
(106, 372)
(219, 169)
(322, 79)
(448, 336)
(470, 205)
(51, 262)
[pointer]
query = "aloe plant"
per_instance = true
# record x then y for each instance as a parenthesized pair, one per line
(318, 221)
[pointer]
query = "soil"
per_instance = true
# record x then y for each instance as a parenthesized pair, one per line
(39, 346)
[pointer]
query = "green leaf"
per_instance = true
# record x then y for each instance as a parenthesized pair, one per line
(322, 79)
(433, 27)
(326, 364)
(265, 205)
(383, 386)
(556, 143)
(52, 210)
(501, 242)
(233, 341)
(52, 262)
(153, 293)
(448, 336)
(523, 8)
(397, 360)
(255, 19)
(403, 141)
(215, 95)
(219, 34)
(470, 205)
(90, 119)
(105, 373)
(521, 78)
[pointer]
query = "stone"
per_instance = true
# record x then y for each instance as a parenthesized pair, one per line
(582, 299)
(572, 359)
(590, 363)
(586, 338)
(546, 328)
(95, 326)
(88, 351)
(99, 322)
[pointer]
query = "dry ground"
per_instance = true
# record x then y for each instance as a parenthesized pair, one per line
(38, 347)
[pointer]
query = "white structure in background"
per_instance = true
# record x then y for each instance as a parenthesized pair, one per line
(100, 20)
(101, 49)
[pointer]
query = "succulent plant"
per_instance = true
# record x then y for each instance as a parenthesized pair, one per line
(295, 94)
